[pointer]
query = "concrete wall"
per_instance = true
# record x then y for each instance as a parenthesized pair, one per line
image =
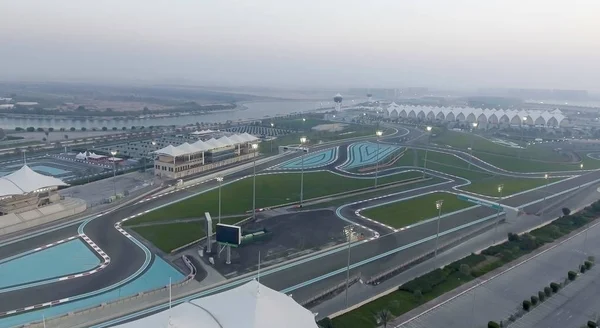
(70, 206)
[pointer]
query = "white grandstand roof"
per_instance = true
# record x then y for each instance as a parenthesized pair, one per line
(26, 180)
(531, 117)
(251, 305)
(199, 146)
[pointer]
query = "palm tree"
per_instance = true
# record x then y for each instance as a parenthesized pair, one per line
(383, 317)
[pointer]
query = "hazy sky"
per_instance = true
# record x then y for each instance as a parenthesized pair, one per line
(336, 43)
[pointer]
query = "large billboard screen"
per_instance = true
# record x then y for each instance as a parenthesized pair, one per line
(229, 234)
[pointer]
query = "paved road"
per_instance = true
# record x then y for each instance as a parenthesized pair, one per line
(127, 258)
(498, 298)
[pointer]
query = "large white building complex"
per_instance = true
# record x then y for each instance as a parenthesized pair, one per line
(553, 118)
(191, 158)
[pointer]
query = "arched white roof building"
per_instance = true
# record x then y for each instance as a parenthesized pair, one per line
(469, 114)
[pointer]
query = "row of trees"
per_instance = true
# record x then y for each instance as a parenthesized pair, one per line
(548, 291)
(73, 129)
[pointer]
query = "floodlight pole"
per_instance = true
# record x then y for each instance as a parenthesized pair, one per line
(546, 176)
(350, 229)
(220, 179)
(438, 205)
(302, 141)
(426, 150)
(254, 146)
(378, 133)
(500, 189)
(113, 153)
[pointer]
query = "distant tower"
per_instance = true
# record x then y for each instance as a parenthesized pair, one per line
(337, 99)
(370, 97)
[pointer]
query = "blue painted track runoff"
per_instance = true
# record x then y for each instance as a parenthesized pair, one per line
(311, 160)
(61, 260)
(365, 153)
(157, 276)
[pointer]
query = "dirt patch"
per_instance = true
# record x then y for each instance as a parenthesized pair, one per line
(335, 127)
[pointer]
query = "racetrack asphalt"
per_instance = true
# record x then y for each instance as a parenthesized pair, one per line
(126, 257)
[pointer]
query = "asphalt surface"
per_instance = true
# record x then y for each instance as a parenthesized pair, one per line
(498, 298)
(126, 257)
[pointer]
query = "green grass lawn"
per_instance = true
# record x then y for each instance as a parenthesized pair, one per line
(272, 189)
(404, 213)
(305, 130)
(535, 158)
(489, 186)
(374, 193)
(482, 182)
(167, 237)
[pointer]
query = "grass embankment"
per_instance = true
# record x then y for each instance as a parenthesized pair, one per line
(482, 182)
(534, 158)
(403, 213)
(436, 283)
(168, 237)
(271, 190)
(304, 129)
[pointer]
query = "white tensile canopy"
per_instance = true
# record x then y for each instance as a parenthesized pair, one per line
(251, 305)
(206, 145)
(26, 180)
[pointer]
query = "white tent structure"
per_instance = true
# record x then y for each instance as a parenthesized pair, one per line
(207, 145)
(251, 305)
(26, 180)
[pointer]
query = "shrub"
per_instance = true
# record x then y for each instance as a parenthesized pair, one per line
(72, 129)
(591, 258)
(548, 291)
(555, 287)
(582, 268)
(534, 300)
(51, 129)
(572, 275)
(30, 129)
(465, 269)
(526, 305)
(493, 324)
(325, 323)
(40, 129)
(513, 237)
(588, 264)
(426, 282)
(592, 324)
(541, 296)
(566, 211)
(418, 295)
(83, 128)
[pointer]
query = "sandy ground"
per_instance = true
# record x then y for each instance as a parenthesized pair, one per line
(335, 127)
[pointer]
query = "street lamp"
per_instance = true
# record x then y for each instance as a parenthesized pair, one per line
(113, 153)
(581, 168)
(500, 189)
(546, 176)
(378, 134)
(426, 150)
(220, 180)
(524, 119)
(438, 205)
(302, 142)
(272, 126)
(254, 147)
(348, 230)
